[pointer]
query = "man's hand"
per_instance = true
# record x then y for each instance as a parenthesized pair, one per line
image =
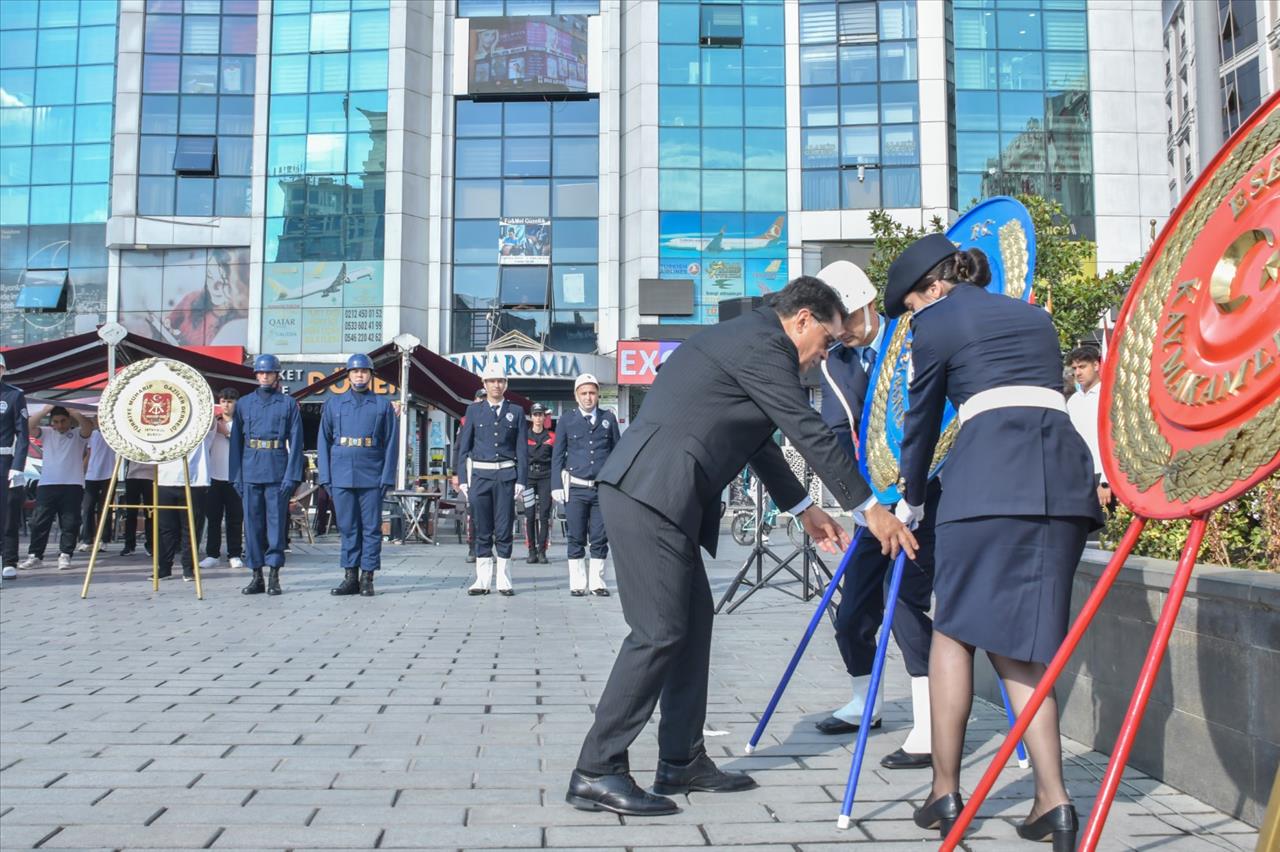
(287, 488)
(892, 534)
(15, 475)
(558, 495)
(824, 530)
(908, 514)
(462, 489)
(1104, 495)
(519, 492)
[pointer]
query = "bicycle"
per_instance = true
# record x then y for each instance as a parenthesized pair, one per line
(743, 525)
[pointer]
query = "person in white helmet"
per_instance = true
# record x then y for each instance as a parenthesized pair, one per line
(13, 451)
(493, 470)
(587, 435)
(845, 377)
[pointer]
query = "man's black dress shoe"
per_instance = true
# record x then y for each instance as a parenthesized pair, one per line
(906, 760)
(698, 775)
(475, 591)
(578, 593)
(617, 793)
(836, 725)
(604, 593)
(1059, 824)
(941, 813)
(506, 593)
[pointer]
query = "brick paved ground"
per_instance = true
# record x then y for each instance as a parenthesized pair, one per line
(424, 718)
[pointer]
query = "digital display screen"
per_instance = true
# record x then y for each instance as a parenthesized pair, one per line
(528, 54)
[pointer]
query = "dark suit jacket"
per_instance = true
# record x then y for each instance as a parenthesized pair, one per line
(1010, 461)
(712, 410)
(845, 366)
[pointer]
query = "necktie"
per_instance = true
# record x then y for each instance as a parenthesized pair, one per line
(868, 358)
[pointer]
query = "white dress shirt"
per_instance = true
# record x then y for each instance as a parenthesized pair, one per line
(102, 459)
(62, 455)
(1082, 408)
(169, 474)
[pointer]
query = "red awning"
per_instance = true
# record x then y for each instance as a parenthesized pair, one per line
(79, 360)
(432, 377)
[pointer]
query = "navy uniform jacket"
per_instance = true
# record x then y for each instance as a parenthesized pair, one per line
(368, 456)
(582, 450)
(13, 423)
(489, 438)
(713, 409)
(845, 366)
(266, 415)
(1010, 461)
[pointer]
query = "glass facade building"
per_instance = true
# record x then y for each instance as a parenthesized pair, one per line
(57, 87)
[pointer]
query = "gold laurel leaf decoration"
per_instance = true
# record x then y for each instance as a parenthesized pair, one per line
(1142, 452)
(1013, 251)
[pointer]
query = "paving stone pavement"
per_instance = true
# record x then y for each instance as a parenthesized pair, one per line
(427, 719)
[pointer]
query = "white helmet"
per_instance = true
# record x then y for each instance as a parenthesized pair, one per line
(586, 379)
(855, 289)
(493, 370)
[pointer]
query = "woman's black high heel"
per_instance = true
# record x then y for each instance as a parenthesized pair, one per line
(941, 813)
(1059, 824)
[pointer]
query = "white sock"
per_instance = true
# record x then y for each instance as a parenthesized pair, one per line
(504, 579)
(920, 740)
(852, 712)
(597, 573)
(578, 575)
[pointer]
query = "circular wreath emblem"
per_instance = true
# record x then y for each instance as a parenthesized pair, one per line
(1191, 392)
(156, 410)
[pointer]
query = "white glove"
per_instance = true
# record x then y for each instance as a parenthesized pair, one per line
(909, 515)
(15, 476)
(558, 495)
(519, 491)
(462, 489)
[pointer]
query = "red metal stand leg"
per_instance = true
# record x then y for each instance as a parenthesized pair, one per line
(1087, 612)
(1142, 692)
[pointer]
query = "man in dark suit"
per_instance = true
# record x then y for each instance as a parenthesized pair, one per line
(712, 410)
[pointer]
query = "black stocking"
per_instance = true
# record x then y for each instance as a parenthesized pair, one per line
(1042, 739)
(950, 699)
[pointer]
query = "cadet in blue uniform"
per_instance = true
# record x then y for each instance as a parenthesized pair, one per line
(845, 379)
(357, 453)
(587, 435)
(13, 449)
(265, 465)
(1017, 502)
(493, 468)
(537, 516)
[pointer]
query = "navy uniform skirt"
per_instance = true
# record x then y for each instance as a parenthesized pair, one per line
(1003, 584)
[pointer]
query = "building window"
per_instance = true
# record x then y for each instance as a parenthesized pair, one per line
(520, 8)
(196, 156)
(721, 25)
(526, 226)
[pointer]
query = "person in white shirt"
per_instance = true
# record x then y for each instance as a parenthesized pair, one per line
(175, 532)
(62, 444)
(222, 499)
(97, 476)
(139, 487)
(1082, 408)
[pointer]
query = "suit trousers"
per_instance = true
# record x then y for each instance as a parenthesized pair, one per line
(95, 491)
(493, 510)
(538, 516)
(5, 463)
(175, 532)
(359, 515)
(223, 501)
(585, 523)
(12, 525)
(266, 513)
(136, 493)
(63, 502)
(666, 600)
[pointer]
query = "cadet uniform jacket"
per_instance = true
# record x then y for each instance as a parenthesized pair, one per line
(357, 443)
(266, 439)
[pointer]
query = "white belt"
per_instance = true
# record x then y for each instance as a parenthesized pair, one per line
(498, 465)
(1011, 396)
(585, 483)
(6, 451)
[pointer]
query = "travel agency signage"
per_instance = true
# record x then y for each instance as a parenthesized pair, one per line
(526, 364)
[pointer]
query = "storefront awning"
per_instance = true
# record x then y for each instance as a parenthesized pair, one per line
(75, 361)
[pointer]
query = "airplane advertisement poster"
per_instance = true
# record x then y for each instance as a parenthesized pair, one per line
(727, 254)
(186, 297)
(524, 240)
(308, 306)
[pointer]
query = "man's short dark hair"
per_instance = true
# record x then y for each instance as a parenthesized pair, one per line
(58, 410)
(1085, 353)
(229, 393)
(812, 293)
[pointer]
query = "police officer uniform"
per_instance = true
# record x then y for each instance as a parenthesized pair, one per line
(538, 501)
(13, 450)
(357, 453)
(585, 440)
(493, 464)
(469, 521)
(265, 464)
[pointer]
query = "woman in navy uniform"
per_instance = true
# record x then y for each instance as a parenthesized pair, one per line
(587, 435)
(541, 442)
(356, 454)
(265, 465)
(493, 465)
(1017, 503)
(13, 450)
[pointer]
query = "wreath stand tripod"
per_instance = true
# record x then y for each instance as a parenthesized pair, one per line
(155, 508)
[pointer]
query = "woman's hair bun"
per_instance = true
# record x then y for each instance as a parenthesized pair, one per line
(971, 266)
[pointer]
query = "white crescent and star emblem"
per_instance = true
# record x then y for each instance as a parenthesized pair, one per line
(510, 416)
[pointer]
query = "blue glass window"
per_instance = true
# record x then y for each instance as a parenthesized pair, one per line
(288, 114)
(290, 34)
(721, 106)
(325, 114)
(679, 106)
(59, 13)
(898, 60)
(576, 117)
(766, 149)
(764, 66)
(155, 154)
(53, 125)
(478, 157)
(20, 16)
(576, 155)
(96, 84)
(527, 197)
(531, 118)
(1018, 29)
(765, 190)
(476, 241)
(678, 65)
(574, 240)
(55, 86)
(479, 118)
(818, 106)
(762, 24)
(17, 48)
(326, 153)
(526, 156)
(328, 72)
(722, 149)
(901, 187)
(975, 28)
(899, 102)
(977, 111)
(818, 65)
(679, 147)
(819, 148)
(15, 166)
(1021, 70)
(861, 145)
(195, 197)
(15, 124)
(289, 74)
(369, 30)
(20, 85)
(477, 199)
(679, 189)
(235, 155)
(901, 144)
(97, 44)
(52, 165)
(89, 202)
(722, 190)
(765, 106)
(51, 205)
(369, 70)
(57, 47)
(721, 67)
(575, 197)
(820, 190)
(678, 23)
(858, 104)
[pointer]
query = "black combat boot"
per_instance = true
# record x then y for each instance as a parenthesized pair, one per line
(349, 585)
(366, 584)
(256, 586)
(273, 582)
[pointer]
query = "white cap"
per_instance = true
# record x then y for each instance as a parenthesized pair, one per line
(851, 283)
(493, 370)
(586, 379)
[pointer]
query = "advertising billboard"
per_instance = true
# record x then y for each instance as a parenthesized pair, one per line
(527, 54)
(187, 297)
(524, 240)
